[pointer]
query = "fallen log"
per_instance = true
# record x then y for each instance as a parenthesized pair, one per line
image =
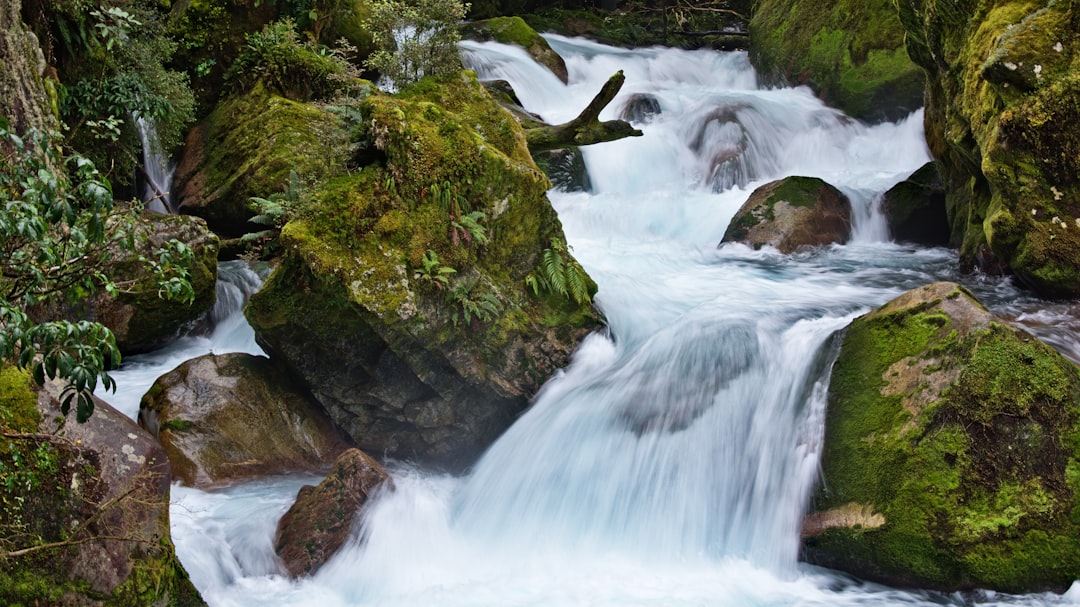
(586, 129)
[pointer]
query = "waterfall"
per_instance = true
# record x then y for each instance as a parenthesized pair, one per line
(670, 463)
(157, 169)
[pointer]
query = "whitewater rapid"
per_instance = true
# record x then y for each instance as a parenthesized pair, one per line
(670, 463)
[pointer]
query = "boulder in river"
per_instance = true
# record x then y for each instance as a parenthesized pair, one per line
(230, 417)
(915, 208)
(952, 451)
(791, 213)
(324, 516)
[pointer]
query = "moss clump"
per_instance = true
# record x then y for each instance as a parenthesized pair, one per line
(514, 30)
(851, 53)
(18, 401)
(960, 431)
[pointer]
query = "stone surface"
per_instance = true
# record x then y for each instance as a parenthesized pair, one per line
(791, 213)
(915, 208)
(957, 436)
(324, 517)
(513, 30)
(409, 366)
(850, 52)
(111, 478)
(27, 97)
(1003, 99)
(231, 417)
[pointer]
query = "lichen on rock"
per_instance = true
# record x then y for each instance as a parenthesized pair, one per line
(792, 213)
(421, 368)
(961, 432)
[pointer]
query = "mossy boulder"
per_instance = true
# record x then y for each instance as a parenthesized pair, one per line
(850, 53)
(102, 486)
(915, 208)
(140, 319)
(323, 517)
(957, 438)
(247, 147)
(514, 30)
(1003, 99)
(410, 359)
(25, 98)
(232, 417)
(792, 213)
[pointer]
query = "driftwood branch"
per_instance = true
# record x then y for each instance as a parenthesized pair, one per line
(586, 129)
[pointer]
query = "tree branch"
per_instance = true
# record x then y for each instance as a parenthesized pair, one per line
(586, 129)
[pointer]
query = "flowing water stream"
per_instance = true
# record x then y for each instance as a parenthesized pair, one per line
(670, 463)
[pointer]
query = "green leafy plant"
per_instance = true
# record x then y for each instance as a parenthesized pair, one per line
(560, 274)
(468, 228)
(472, 302)
(414, 38)
(60, 234)
(276, 57)
(431, 271)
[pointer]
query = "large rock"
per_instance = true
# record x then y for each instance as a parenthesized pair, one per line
(27, 97)
(1003, 101)
(514, 30)
(915, 208)
(140, 319)
(103, 486)
(247, 147)
(951, 453)
(409, 362)
(791, 213)
(230, 417)
(323, 517)
(850, 52)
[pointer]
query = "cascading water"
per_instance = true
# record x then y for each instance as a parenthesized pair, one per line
(669, 465)
(157, 169)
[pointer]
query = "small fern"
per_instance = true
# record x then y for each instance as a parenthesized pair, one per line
(469, 228)
(560, 274)
(432, 272)
(472, 302)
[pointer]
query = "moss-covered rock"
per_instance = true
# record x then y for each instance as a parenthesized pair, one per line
(98, 493)
(231, 417)
(963, 434)
(1003, 99)
(915, 208)
(514, 30)
(140, 319)
(25, 98)
(410, 360)
(791, 213)
(850, 53)
(247, 147)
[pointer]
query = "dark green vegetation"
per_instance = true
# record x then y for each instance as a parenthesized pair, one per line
(964, 433)
(850, 52)
(1003, 100)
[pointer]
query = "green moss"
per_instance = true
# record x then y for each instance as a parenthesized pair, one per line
(974, 470)
(18, 402)
(851, 53)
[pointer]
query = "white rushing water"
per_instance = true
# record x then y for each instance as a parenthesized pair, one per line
(669, 465)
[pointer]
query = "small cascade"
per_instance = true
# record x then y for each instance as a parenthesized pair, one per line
(157, 169)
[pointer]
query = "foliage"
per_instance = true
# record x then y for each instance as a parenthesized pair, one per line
(560, 275)
(432, 272)
(472, 302)
(112, 59)
(465, 223)
(59, 233)
(274, 211)
(298, 70)
(468, 228)
(414, 38)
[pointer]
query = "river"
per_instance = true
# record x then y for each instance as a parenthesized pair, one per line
(670, 464)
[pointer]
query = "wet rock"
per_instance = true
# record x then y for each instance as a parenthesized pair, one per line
(640, 108)
(103, 486)
(565, 168)
(514, 30)
(953, 438)
(915, 208)
(324, 517)
(230, 417)
(791, 213)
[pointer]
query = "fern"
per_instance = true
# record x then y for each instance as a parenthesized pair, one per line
(472, 303)
(433, 272)
(469, 228)
(560, 275)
